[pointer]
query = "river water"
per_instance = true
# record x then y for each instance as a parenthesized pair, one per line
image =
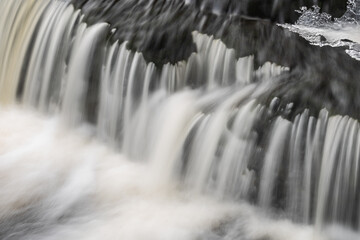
(101, 140)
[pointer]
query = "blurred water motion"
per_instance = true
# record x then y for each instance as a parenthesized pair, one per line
(178, 120)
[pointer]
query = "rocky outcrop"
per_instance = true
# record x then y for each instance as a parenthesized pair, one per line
(161, 31)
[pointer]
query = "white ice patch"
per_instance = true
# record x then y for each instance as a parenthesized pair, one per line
(320, 30)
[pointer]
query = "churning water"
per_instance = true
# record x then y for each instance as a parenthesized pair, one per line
(99, 142)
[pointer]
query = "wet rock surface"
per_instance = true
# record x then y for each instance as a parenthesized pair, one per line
(161, 30)
(319, 77)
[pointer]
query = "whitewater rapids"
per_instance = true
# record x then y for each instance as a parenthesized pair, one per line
(62, 184)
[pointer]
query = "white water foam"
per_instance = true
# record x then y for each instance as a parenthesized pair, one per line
(66, 185)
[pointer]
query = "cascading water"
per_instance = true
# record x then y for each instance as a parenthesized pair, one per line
(98, 141)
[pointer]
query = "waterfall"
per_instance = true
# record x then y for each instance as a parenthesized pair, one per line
(200, 123)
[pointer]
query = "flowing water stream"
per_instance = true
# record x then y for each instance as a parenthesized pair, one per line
(98, 142)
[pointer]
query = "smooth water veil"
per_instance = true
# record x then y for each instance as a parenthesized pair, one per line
(179, 120)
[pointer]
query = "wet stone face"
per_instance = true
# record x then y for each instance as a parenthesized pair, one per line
(162, 32)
